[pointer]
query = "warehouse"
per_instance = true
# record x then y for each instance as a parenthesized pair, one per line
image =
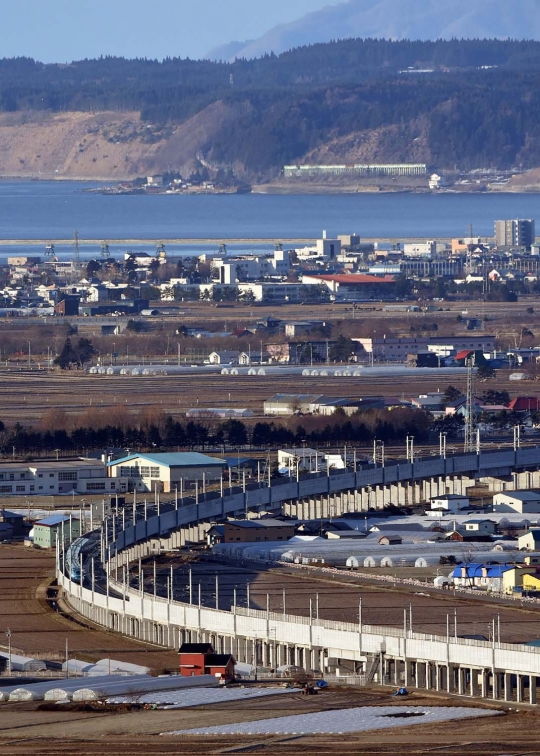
(252, 531)
(523, 502)
(46, 531)
(166, 472)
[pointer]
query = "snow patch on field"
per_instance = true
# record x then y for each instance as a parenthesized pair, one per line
(343, 720)
(179, 699)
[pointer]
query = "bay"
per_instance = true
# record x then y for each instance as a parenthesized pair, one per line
(51, 210)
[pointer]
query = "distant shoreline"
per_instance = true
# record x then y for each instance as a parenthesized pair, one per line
(273, 189)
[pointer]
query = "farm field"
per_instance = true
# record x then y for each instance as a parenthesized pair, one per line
(25, 730)
(37, 630)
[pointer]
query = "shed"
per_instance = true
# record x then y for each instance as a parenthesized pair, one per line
(390, 540)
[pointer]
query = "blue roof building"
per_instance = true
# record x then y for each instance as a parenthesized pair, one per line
(166, 472)
(480, 575)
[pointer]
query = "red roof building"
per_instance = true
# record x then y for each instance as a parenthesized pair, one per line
(525, 404)
(351, 285)
(200, 659)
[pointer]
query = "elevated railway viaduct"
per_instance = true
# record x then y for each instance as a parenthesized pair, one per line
(458, 665)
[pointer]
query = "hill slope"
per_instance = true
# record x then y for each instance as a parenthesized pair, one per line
(348, 101)
(397, 19)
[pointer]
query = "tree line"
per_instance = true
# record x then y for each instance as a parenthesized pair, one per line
(168, 434)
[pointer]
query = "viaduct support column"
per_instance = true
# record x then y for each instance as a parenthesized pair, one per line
(507, 686)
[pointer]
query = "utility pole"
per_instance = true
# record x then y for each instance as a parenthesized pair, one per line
(8, 635)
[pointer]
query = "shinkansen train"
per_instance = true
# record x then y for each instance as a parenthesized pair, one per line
(74, 558)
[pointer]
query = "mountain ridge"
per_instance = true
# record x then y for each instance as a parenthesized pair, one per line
(397, 20)
(456, 105)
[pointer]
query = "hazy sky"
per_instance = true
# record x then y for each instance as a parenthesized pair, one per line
(66, 30)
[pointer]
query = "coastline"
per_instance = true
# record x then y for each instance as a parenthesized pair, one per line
(107, 186)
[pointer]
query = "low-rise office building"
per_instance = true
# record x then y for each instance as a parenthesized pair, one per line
(80, 476)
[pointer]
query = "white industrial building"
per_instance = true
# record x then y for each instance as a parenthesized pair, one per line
(523, 502)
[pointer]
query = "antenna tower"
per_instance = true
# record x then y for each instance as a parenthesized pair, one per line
(470, 436)
(76, 253)
(105, 251)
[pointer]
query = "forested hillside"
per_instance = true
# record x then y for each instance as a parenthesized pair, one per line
(479, 104)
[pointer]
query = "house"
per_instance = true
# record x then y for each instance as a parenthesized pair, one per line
(451, 503)
(530, 541)
(480, 527)
(223, 358)
(13, 520)
(63, 527)
(488, 576)
(251, 358)
(200, 659)
(524, 502)
(166, 472)
(252, 531)
(216, 534)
